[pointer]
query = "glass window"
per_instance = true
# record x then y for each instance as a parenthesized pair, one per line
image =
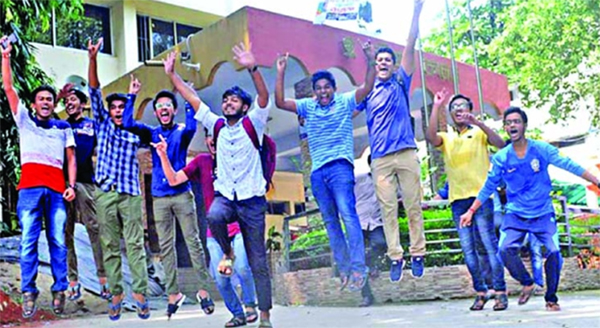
(163, 36)
(184, 30)
(93, 25)
(143, 32)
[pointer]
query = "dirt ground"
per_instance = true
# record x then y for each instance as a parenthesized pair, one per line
(10, 299)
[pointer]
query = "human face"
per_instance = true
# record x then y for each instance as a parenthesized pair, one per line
(324, 92)
(43, 105)
(515, 127)
(233, 107)
(115, 109)
(384, 65)
(164, 111)
(73, 106)
(458, 109)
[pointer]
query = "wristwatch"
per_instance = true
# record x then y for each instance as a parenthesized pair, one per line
(72, 186)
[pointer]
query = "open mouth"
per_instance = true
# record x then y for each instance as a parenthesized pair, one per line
(513, 132)
(165, 117)
(118, 116)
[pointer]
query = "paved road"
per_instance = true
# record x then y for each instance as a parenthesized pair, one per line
(580, 309)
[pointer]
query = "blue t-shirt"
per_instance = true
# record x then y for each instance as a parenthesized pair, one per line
(178, 139)
(329, 128)
(388, 116)
(528, 183)
(85, 141)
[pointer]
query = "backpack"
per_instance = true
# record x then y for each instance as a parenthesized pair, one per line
(401, 85)
(267, 152)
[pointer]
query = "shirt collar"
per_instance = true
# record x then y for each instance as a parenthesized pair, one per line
(380, 83)
(332, 103)
(469, 127)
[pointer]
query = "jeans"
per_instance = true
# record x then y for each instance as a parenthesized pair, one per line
(481, 228)
(374, 254)
(513, 232)
(241, 269)
(250, 214)
(333, 188)
(35, 204)
(537, 260)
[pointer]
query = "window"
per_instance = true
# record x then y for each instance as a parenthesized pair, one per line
(156, 36)
(94, 24)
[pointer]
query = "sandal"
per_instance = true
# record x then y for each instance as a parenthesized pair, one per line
(172, 308)
(526, 294)
(236, 322)
(552, 306)
(114, 311)
(74, 292)
(143, 309)
(207, 304)
(29, 306)
(501, 302)
(358, 281)
(251, 315)
(344, 280)
(60, 307)
(479, 303)
(265, 324)
(226, 267)
(105, 292)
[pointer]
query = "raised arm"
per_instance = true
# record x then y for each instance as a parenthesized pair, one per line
(363, 91)
(174, 178)
(493, 137)
(431, 134)
(186, 91)
(99, 111)
(243, 55)
(408, 55)
(280, 101)
(7, 81)
(129, 123)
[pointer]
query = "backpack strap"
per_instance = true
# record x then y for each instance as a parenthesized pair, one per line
(251, 131)
(219, 124)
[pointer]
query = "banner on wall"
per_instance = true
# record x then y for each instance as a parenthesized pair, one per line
(360, 11)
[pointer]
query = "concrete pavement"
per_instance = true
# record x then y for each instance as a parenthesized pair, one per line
(579, 309)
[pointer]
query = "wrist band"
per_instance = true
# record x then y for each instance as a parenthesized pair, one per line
(253, 69)
(471, 210)
(6, 55)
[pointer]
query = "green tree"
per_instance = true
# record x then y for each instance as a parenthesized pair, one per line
(25, 18)
(546, 47)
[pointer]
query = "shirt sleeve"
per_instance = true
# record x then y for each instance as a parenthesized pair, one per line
(302, 106)
(444, 136)
(142, 130)
(350, 100)
(493, 180)
(563, 162)
(444, 191)
(259, 117)
(190, 122)
(192, 170)
(206, 117)
(362, 105)
(69, 138)
(22, 115)
(406, 79)
(98, 110)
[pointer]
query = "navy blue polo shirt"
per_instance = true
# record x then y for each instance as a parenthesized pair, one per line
(85, 141)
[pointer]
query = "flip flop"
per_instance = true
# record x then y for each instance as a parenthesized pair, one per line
(105, 292)
(207, 304)
(172, 308)
(526, 295)
(236, 322)
(60, 297)
(116, 311)
(74, 292)
(29, 310)
(251, 315)
(143, 309)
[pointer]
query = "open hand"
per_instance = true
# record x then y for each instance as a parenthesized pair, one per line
(470, 119)
(134, 85)
(282, 61)
(169, 63)
(244, 55)
(94, 48)
(367, 48)
(64, 92)
(161, 146)
(440, 97)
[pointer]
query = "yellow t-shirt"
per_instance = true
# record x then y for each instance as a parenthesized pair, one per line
(467, 161)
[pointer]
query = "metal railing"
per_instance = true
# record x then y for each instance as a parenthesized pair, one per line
(322, 253)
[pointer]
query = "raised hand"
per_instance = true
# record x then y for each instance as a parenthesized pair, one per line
(244, 55)
(65, 91)
(6, 51)
(440, 98)
(470, 119)
(161, 146)
(169, 63)
(94, 48)
(368, 49)
(282, 61)
(134, 85)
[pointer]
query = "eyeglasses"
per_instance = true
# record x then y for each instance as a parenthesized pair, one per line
(515, 121)
(164, 105)
(459, 106)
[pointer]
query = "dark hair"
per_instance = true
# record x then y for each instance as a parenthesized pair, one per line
(518, 110)
(115, 96)
(80, 95)
(240, 93)
(41, 88)
(460, 96)
(165, 94)
(319, 75)
(386, 50)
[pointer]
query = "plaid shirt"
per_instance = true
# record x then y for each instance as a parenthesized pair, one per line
(117, 167)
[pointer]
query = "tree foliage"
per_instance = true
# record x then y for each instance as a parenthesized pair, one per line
(546, 47)
(25, 18)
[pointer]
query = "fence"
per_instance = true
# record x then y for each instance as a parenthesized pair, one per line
(320, 255)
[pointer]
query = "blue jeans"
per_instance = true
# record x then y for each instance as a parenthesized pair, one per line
(537, 260)
(333, 188)
(512, 234)
(241, 269)
(481, 229)
(33, 206)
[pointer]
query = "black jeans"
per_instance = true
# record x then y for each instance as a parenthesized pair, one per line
(250, 214)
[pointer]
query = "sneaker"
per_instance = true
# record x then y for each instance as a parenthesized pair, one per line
(396, 270)
(418, 267)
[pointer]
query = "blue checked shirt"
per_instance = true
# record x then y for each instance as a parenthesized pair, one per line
(117, 168)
